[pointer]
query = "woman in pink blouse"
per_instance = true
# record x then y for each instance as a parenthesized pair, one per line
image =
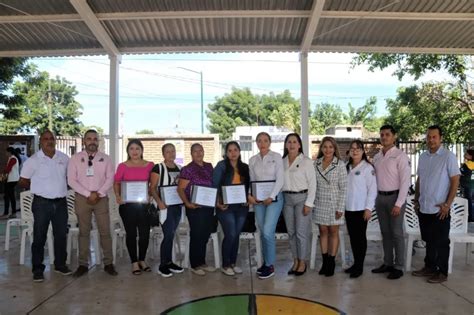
(133, 214)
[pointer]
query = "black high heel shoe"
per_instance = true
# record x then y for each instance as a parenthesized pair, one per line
(300, 273)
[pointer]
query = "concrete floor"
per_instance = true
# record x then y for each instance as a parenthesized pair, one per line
(99, 293)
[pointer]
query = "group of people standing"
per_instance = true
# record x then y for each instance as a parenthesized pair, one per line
(327, 191)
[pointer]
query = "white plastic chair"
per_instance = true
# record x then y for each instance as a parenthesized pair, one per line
(10, 223)
(373, 228)
(314, 245)
(412, 230)
(215, 244)
(73, 235)
(27, 219)
(458, 232)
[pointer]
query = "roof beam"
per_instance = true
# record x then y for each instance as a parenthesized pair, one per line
(262, 48)
(427, 16)
(95, 26)
(312, 25)
(11, 19)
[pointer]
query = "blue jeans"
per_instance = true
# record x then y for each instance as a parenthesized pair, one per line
(169, 229)
(267, 218)
(44, 211)
(232, 221)
(201, 225)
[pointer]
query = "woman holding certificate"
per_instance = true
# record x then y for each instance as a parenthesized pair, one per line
(329, 205)
(360, 201)
(193, 181)
(231, 177)
(131, 193)
(166, 175)
(299, 190)
(266, 175)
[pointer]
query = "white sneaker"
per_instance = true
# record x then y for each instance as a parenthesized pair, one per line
(198, 271)
(237, 269)
(207, 268)
(228, 271)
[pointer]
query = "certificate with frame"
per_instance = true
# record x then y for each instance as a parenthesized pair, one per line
(169, 195)
(204, 196)
(134, 191)
(234, 194)
(262, 190)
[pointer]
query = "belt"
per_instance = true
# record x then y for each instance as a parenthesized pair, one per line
(388, 193)
(295, 192)
(49, 199)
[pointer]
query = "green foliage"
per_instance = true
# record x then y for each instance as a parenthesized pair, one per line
(324, 116)
(11, 68)
(440, 103)
(415, 65)
(145, 132)
(365, 115)
(38, 90)
(243, 108)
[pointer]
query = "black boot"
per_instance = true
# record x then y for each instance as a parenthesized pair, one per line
(324, 266)
(331, 264)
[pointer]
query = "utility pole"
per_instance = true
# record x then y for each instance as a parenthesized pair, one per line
(50, 106)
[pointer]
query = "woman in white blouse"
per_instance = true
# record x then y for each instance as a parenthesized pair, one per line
(299, 189)
(267, 166)
(360, 201)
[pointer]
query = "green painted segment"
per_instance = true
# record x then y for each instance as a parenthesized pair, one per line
(229, 305)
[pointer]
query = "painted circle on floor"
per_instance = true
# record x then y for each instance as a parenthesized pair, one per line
(243, 304)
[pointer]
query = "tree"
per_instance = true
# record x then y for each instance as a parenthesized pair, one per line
(145, 132)
(415, 65)
(242, 108)
(365, 115)
(416, 108)
(11, 68)
(324, 116)
(46, 100)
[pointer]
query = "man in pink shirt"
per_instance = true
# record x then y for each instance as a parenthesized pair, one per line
(90, 173)
(392, 169)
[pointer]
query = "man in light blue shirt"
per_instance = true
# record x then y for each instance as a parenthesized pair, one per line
(436, 186)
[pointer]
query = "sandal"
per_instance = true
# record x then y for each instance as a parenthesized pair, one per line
(144, 268)
(137, 271)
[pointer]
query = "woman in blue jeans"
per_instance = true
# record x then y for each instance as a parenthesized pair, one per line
(167, 174)
(231, 171)
(267, 166)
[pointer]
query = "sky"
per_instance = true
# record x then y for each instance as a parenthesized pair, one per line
(156, 93)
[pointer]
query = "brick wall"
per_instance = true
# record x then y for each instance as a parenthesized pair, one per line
(152, 146)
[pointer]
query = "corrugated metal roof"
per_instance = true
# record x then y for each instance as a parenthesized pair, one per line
(54, 27)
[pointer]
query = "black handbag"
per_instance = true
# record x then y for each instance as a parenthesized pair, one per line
(153, 214)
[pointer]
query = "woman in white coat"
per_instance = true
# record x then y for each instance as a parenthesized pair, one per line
(360, 201)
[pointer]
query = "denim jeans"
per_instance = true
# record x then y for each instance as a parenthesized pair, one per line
(169, 229)
(201, 224)
(267, 218)
(232, 221)
(45, 211)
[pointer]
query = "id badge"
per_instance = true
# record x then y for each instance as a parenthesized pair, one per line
(90, 171)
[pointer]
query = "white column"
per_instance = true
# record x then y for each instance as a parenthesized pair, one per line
(114, 109)
(304, 103)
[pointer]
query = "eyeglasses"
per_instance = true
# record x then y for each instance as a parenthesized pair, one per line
(91, 157)
(356, 149)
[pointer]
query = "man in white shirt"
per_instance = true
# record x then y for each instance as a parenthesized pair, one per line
(436, 186)
(45, 174)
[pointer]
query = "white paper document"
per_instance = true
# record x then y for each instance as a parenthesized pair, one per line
(204, 196)
(262, 190)
(234, 194)
(134, 192)
(169, 195)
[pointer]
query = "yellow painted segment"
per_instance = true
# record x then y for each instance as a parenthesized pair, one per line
(279, 305)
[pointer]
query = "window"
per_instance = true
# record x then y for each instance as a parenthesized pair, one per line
(245, 143)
